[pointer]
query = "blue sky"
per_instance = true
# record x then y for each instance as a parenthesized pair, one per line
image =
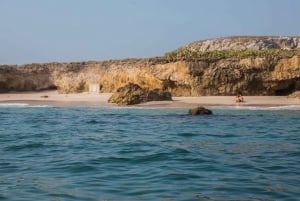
(77, 30)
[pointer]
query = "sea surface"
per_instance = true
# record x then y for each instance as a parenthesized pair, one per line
(111, 153)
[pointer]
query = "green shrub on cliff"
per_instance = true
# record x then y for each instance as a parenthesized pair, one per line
(190, 54)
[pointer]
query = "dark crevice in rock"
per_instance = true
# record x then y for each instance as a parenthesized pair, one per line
(291, 88)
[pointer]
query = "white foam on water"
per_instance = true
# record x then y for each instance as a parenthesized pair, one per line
(283, 107)
(39, 106)
(21, 105)
(13, 104)
(231, 107)
(286, 107)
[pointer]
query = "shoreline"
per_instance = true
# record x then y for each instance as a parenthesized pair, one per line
(53, 98)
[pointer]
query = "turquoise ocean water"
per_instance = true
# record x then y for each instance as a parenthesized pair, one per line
(103, 153)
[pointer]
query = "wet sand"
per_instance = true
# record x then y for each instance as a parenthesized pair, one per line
(53, 98)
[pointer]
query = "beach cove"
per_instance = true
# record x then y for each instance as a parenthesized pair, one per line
(61, 138)
(53, 98)
(149, 100)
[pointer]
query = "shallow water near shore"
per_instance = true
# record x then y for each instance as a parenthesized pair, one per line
(104, 153)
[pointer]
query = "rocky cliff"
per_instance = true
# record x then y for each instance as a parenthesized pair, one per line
(246, 42)
(189, 71)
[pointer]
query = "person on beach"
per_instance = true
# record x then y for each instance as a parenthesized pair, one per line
(239, 98)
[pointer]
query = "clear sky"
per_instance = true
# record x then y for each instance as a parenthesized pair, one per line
(77, 30)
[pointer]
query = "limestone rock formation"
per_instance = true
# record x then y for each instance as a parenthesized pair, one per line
(199, 111)
(158, 95)
(246, 42)
(227, 72)
(132, 94)
(296, 94)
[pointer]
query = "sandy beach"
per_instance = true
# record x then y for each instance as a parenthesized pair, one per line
(53, 98)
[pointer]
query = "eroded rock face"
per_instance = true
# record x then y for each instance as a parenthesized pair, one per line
(277, 74)
(251, 76)
(128, 95)
(132, 94)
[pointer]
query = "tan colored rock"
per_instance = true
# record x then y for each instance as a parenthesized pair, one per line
(296, 94)
(251, 76)
(132, 94)
(277, 74)
(287, 68)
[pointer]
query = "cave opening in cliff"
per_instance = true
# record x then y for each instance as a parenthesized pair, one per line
(3, 87)
(52, 87)
(286, 91)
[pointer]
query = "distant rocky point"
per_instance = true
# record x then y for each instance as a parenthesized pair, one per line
(246, 42)
(247, 65)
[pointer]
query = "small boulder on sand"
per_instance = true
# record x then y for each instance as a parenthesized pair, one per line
(131, 94)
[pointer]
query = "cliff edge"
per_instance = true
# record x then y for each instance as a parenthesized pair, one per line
(246, 42)
(224, 66)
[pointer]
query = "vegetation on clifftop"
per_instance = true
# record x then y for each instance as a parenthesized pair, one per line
(192, 54)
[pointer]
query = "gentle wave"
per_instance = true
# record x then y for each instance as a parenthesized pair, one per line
(238, 107)
(282, 107)
(13, 104)
(21, 105)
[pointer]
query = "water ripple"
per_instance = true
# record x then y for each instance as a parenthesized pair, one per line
(53, 153)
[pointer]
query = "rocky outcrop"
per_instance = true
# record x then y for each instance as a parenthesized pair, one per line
(132, 94)
(296, 94)
(199, 111)
(246, 42)
(273, 73)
